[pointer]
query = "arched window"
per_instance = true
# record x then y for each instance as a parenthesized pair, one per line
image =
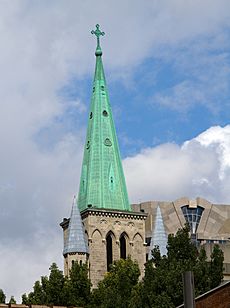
(109, 250)
(122, 247)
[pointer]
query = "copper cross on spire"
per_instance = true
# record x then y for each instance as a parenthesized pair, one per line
(98, 33)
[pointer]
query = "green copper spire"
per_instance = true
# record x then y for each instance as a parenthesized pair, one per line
(102, 183)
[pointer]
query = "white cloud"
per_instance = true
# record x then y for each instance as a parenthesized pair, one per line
(36, 193)
(16, 262)
(219, 139)
(200, 167)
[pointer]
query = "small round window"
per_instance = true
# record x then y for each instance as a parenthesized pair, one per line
(107, 142)
(91, 115)
(105, 113)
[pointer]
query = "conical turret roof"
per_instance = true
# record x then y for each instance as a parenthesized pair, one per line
(159, 235)
(75, 239)
(102, 183)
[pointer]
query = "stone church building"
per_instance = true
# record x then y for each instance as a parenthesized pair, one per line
(103, 226)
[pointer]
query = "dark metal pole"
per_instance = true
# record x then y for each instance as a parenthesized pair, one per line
(188, 288)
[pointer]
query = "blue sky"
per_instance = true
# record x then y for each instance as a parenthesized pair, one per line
(167, 66)
(172, 95)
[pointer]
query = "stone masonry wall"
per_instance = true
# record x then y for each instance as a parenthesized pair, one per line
(98, 224)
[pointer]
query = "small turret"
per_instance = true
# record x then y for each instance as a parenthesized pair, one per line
(75, 246)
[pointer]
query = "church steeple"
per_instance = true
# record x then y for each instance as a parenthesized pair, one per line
(102, 183)
(111, 228)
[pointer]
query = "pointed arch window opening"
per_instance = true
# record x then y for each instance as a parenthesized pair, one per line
(123, 250)
(109, 250)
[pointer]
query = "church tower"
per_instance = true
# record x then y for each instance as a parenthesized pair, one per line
(112, 230)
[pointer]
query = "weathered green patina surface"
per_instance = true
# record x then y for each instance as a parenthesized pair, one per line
(102, 183)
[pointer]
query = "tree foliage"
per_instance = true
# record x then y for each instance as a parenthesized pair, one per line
(59, 290)
(216, 266)
(12, 300)
(116, 288)
(77, 286)
(162, 284)
(2, 297)
(202, 273)
(54, 286)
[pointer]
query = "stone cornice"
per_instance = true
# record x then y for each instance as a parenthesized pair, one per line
(107, 213)
(113, 213)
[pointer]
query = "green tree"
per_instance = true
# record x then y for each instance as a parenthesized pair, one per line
(216, 266)
(53, 287)
(25, 299)
(12, 300)
(181, 249)
(167, 271)
(136, 300)
(202, 273)
(2, 297)
(77, 286)
(59, 290)
(162, 284)
(49, 291)
(37, 297)
(115, 289)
